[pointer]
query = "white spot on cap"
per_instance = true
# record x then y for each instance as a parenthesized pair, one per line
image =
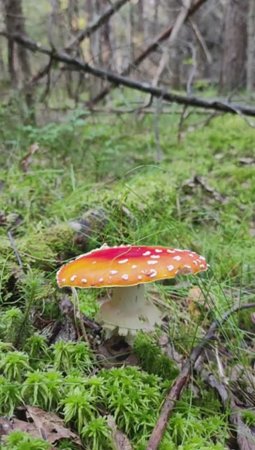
(153, 273)
(147, 253)
(155, 256)
(113, 272)
(73, 277)
(195, 262)
(123, 261)
(177, 258)
(152, 262)
(202, 258)
(202, 266)
(158, 250)
(170, 268)
(84, 280)
(134, 266)
(170, 251)
(125, 276)
(101, 280)
(139, 277)
(94, 262)
(63, 280)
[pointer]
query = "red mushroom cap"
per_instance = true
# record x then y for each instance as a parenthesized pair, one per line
(128, 266)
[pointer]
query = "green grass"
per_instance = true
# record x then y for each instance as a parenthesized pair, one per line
(111, 163)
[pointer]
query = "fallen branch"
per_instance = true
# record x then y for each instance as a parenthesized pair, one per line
(215, 104)
(184, 376)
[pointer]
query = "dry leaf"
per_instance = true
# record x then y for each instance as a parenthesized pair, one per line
(39, 423)
(51, 426)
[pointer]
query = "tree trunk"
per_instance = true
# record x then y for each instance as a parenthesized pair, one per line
(251, 47)
(15, 23)
(233, 70)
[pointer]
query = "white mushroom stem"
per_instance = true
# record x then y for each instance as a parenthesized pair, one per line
(128, 311)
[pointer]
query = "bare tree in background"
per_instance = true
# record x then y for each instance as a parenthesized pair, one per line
(15, 23)
(18, 59)
(251, 47)
(233, 71)
(214, 45)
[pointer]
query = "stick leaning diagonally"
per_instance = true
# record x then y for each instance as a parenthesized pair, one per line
(184, 376)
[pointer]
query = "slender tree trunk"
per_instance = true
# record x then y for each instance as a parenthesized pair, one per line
(251, 47)
(233, 71)
(15, 23)
(106, 44)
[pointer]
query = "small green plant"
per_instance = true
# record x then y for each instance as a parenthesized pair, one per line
(79, 408)
(33, 290)
(133, 397)
(19, 440)
(43, 389)
(66, 444)
(10, 396)
(96, 434)
(38, 350)
(152, 359)
(68, 356)
(248, 417)
(14, 364)
(10, 323)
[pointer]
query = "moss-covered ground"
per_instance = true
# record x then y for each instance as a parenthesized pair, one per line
(201, 195)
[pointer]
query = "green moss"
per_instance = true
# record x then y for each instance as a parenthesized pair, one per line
(110, 164)
(19, 440)
(151, 358)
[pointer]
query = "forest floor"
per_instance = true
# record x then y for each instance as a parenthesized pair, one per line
(69, 187)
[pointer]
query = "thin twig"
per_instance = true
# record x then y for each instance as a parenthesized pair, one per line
(184, 376)
(14, 248)
(201, 41)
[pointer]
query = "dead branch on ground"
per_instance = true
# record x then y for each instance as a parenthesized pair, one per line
(184, 376)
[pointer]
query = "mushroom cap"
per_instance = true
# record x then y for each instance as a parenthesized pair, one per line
(128, 266)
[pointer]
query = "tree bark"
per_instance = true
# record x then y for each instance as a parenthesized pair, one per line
(251, 47)
(233, 71)
(15, 23)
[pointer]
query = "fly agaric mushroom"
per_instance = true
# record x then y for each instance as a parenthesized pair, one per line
(126, 269)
